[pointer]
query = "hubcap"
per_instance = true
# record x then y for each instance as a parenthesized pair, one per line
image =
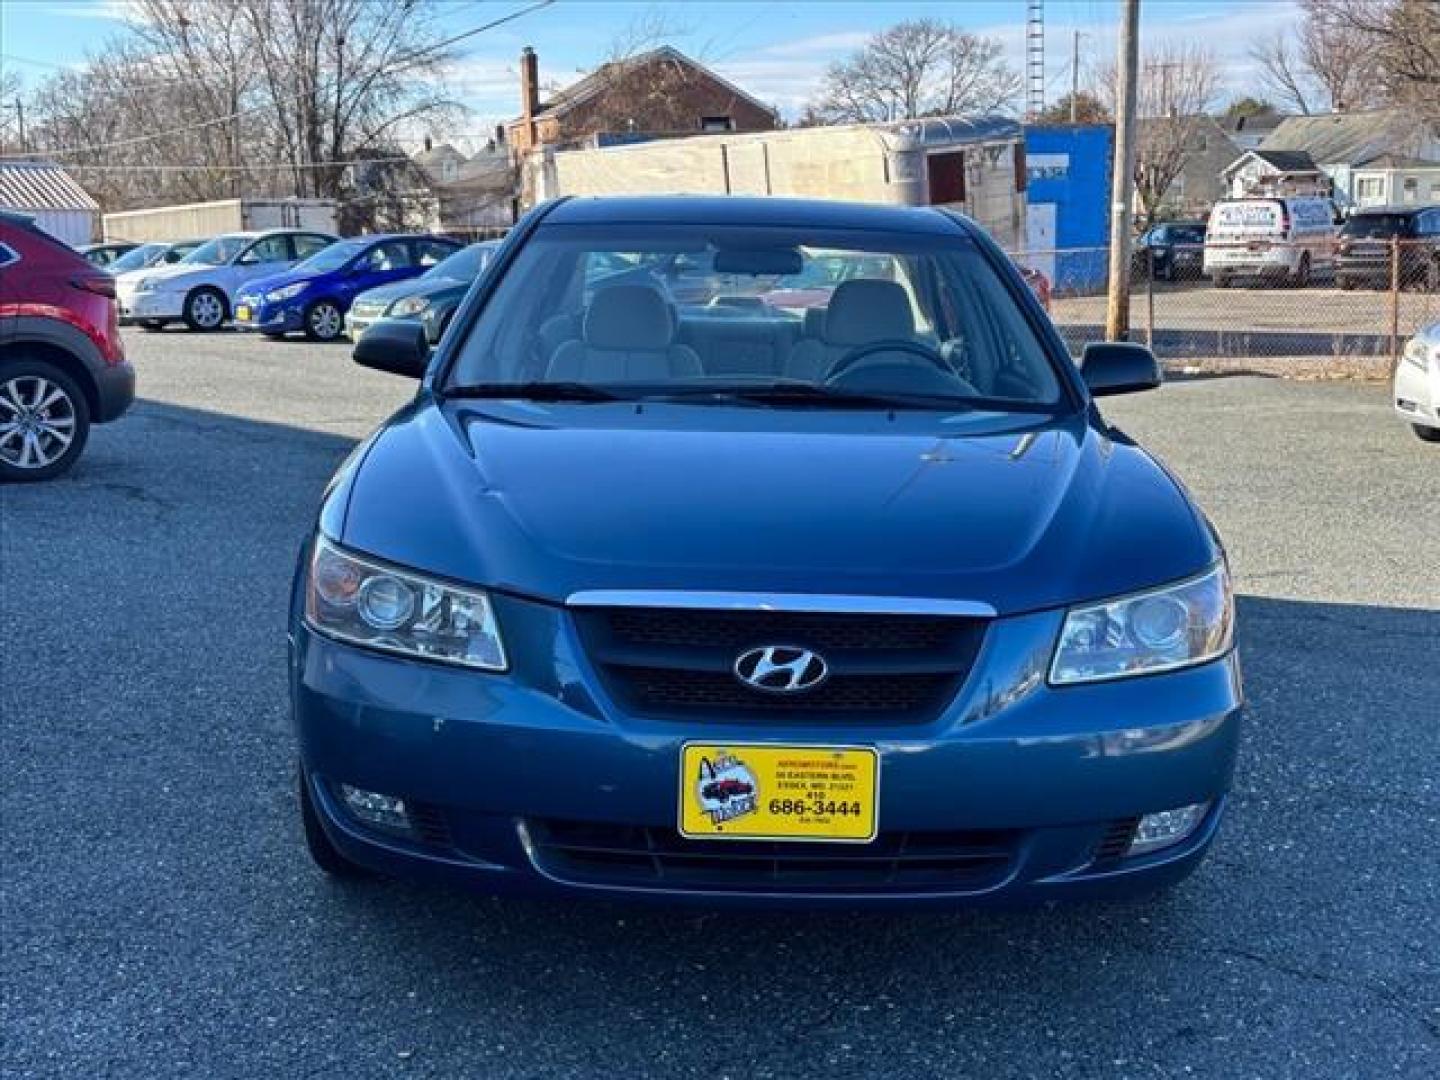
(206, 310)
(37, 422)
(325, 321)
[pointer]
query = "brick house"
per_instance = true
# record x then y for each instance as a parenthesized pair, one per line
(661, 92)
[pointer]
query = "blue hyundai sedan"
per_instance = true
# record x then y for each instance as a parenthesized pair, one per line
(314, 295)
(713, 600)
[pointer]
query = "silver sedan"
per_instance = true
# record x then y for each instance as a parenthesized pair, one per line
(1417, 383)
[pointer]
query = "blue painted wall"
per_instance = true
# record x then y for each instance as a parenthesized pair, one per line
(1069, 167)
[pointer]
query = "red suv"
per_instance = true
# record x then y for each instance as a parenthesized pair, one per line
(62, 365)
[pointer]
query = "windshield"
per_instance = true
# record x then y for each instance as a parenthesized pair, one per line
(659, 311)
(1187, 234)
(1377, 225)
(218, 252)
(335, 256)
(137, 258)
(464, 265)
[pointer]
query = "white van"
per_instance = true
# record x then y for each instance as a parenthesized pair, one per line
(1270, 238)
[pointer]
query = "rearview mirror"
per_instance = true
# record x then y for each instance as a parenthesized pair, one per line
(778, 261)
(1118, 367)
(394, 345)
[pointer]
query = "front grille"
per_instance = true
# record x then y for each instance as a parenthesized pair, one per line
(666, 662)
(641, 856)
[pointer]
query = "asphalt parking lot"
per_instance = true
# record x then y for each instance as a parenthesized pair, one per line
(160, 917)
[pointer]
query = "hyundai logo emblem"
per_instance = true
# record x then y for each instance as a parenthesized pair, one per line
(781, 669)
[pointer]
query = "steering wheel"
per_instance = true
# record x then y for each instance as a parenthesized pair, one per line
(914, 348)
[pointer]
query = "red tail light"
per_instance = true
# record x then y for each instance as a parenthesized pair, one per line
(99, 284)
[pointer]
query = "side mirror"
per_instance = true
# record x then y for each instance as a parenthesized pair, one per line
(395, 345)
(1118, 367)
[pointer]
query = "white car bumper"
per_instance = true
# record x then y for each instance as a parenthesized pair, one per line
(152, 305)
(1417, 389)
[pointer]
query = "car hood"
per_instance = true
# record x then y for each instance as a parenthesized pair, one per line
(175, 274)
(1020, 513)
(431, 288)
(261, 285)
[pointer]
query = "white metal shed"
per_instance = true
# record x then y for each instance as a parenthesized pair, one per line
(46, 192)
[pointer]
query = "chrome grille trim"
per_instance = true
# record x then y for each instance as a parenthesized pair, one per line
(820, 603)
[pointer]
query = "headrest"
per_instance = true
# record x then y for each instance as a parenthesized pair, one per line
(863, 310)
(629, 317)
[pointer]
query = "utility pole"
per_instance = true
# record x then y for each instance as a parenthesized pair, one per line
(1122, 179)
(1075, 78)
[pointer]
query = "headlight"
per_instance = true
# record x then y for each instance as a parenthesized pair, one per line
(411, 305)
(1159, 630)
(288, 292)
(400, 611)
(1418, 351)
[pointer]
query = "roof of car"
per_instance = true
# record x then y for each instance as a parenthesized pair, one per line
(1404, 210)
(751, 210)
(378, 238)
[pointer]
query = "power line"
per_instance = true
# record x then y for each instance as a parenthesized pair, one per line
(398, 65)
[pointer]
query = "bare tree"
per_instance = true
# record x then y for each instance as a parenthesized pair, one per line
(201, 99)
(922, 67)
(1322, 65)
(1177, 89)
(1404, 36)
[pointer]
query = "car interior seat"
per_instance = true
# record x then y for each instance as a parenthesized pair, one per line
(861, 311)
(628, 336)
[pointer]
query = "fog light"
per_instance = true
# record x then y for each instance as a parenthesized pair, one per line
(382, 811)
(1157, 831)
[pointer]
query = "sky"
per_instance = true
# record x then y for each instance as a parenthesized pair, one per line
(777, 50)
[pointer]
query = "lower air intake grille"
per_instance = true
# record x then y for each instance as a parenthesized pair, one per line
(640, 856)
(1115, 840)
(429, 824)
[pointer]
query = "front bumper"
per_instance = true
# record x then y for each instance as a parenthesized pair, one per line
(258, 314)
(1417, 393)
(357, 322)
(499, 763)
(144, 306)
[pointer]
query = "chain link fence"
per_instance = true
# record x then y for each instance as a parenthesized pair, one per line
(1321, 307)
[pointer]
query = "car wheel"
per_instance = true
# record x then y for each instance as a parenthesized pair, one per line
(323, 853)
(1346, 284)
(44, 421)
(1222, 281)
(323, 321)
(152, 324)
(205, 309)
(1427, 433)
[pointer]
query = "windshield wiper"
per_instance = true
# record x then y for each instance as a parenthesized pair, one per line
(535, 391)
(804, 393)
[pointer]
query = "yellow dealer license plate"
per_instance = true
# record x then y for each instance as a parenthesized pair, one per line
(738, 792)
(243, 313)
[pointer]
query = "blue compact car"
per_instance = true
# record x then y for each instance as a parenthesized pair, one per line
(680, 593)
(314, 295)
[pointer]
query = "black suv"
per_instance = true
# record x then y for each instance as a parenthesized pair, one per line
(1365, 243)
